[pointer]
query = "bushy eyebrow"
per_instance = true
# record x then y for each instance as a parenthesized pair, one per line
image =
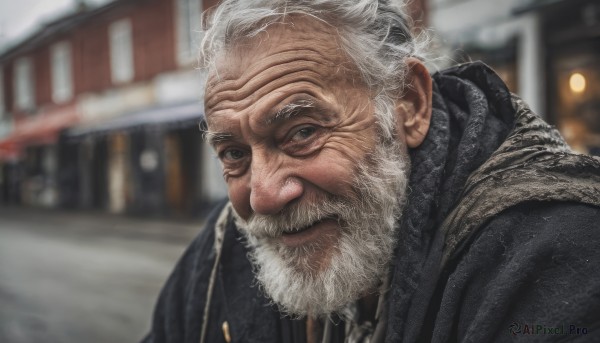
(213, 138)
(292, 109)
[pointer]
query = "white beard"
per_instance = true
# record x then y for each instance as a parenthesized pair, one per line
(362, 257)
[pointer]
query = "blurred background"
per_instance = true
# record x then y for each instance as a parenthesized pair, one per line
(104, 177)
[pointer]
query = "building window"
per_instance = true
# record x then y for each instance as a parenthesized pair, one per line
(121, 51)
(23, 84)
(188, 27)
(62, 82)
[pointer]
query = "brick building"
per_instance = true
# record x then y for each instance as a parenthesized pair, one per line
(100, 109)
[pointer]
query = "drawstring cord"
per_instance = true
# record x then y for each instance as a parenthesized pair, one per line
(219, 238)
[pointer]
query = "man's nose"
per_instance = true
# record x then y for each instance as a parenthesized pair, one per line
(272, 190)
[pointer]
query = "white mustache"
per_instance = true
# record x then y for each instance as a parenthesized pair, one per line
(298, 217)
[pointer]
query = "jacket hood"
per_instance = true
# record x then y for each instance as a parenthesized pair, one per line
(485, 152)
(472, 115)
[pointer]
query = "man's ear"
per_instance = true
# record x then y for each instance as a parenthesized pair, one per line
(414, 108)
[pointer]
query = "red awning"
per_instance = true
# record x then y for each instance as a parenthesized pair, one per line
(39, 129)
(9, 150)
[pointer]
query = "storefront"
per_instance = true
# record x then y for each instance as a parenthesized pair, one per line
(572, 31)
(30, 157)
(570, 44)
(10, 179)
(155, 163)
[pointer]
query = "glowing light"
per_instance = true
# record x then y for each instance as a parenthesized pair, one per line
(577, 83)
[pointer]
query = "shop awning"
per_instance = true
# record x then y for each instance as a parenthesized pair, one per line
(39, 129)
(171, 116)
(9, 150)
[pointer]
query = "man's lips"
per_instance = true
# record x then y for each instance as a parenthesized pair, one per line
(311, 233)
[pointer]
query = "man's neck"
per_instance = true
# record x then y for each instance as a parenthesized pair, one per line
(366, 311)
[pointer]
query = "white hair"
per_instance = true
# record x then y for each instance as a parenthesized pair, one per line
(375, 35)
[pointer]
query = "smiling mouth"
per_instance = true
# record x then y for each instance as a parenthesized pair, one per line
(294, 231)
(311, 233)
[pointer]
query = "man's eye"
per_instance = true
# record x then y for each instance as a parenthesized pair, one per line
(303, 133)
(233, 154)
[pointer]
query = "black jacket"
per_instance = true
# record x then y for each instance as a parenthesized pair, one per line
(500, 239)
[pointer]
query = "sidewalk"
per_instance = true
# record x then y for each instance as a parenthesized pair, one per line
(97, 223)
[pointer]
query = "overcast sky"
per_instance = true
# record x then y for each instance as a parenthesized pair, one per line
(20, 17)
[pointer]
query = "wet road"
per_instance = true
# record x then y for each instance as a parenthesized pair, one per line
(68, 277)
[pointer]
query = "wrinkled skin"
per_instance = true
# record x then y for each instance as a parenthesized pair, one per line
(270, 162)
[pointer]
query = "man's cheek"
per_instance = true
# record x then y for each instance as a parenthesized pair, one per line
(239, 195)
(331, 174)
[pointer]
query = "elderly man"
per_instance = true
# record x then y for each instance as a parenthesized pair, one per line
(372, 202)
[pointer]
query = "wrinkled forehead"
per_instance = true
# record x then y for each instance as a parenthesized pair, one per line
(295, 38)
